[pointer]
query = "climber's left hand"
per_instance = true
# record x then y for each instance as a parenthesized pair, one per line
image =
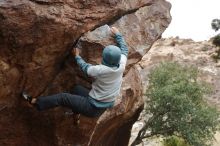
(76, 51)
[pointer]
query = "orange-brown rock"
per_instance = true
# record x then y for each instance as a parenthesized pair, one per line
(36, 38)
(140, 29)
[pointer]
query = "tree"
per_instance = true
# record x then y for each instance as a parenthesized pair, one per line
(176, 107)
(215, 24)
(174, 141)
(216, 39)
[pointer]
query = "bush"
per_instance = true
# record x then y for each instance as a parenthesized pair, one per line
(215, 24)
(176, 106)
(216, 40)
(174, 141)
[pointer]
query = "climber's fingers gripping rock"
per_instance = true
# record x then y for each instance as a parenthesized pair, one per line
(114, 30)
(76, 51)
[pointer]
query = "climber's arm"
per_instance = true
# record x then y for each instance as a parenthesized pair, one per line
(82, 64)
(122, 44)
(120, 40)
(88, 69)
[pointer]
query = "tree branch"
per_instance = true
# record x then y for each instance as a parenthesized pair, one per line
(143, 130)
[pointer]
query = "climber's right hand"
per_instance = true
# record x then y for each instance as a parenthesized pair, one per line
(75, 51)
(114, 30)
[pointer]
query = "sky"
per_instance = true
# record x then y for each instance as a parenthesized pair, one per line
(192, 19)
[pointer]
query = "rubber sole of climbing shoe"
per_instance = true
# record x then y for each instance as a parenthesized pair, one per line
(26, 96)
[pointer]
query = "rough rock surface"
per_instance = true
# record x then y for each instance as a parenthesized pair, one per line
(140, 29)
(186, 52)
(36, 37)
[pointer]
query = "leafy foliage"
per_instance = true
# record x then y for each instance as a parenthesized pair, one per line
(216, 42)
(216, 39)
(177, 107)
(215, 24)
(174, 141)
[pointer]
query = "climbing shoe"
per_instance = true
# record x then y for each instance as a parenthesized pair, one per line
(26, 97)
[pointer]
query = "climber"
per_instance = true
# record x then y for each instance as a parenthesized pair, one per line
(105, 88)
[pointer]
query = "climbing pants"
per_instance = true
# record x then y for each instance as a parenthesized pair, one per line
(77, 100)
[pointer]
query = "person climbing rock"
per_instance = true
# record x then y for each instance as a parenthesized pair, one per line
(105, 88)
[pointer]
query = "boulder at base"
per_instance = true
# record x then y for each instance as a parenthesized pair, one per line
(36, 38)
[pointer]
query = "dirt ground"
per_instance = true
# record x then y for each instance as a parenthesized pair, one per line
(217, 137)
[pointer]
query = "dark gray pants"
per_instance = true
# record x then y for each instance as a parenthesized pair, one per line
(77, 100)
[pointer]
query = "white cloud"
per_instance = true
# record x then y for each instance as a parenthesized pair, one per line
(192, 18)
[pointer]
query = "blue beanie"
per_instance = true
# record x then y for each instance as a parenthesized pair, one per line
(111, 56)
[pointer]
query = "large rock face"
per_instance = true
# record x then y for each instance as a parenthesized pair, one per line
(36, 38)
(139, 28)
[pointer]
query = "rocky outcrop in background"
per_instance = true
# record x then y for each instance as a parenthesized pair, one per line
(36, 37)
(186, 52)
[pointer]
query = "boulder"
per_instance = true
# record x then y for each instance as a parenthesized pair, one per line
(140, 30)
(36, 35)
(36, 38)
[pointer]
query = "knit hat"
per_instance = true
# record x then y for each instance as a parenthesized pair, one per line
(111, 56)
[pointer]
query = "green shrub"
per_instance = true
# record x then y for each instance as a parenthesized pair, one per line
(174, 141)
(216, 40)
(176, 106)
(215, 24)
